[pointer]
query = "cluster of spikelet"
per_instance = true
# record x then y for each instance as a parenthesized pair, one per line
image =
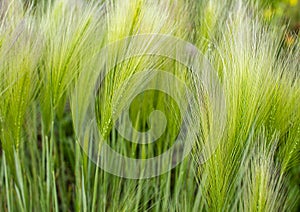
(44, 48)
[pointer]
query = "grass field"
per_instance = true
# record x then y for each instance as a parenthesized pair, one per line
(70, 68)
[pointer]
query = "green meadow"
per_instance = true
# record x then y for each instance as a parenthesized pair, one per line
(243, 120)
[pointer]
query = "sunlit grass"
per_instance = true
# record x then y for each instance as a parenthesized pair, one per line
(48, 55)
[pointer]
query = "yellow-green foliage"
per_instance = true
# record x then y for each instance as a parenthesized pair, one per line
(49, 53)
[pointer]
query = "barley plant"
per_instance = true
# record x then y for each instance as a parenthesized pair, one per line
(70, 68)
